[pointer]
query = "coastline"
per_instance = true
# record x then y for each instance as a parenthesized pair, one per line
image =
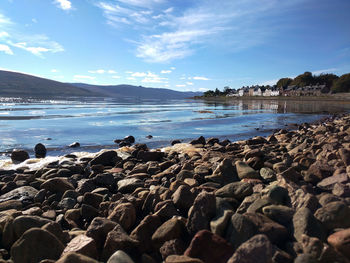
(172, 203)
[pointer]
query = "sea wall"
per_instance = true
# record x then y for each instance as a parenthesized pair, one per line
(283, 198)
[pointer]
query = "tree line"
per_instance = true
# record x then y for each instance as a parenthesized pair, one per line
(335, 83)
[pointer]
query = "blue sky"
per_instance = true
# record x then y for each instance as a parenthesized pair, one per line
(186, 45)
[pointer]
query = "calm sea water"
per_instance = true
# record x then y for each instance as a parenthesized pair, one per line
(96, 124)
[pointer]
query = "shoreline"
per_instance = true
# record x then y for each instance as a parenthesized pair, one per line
(285, 193)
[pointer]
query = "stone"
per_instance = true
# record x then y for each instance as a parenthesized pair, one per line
(329, 182)
(144, 231)
(40, 150)
(171, 229)
(107, 158)
(11, 204)
(83, 245)
(172, 247)
(341, 241)
(129, 185)
(67, 203)
(257, 249)
(305, 258)
(98, 230)
(264, 225)
(345, 156)
(219, 223)
(239, 230)
(74, 145)
(120, 257)
(304, 223)
(22, 223)
(55, 229)
(279, 195)
(118, 239)
(209, 247)
(124, 214)
(76, 258)
(224, 173)
(35, 245)
(182, 259)
(334, 215)
(57, 185)
(237, 190)
(18, 156)
(201, 213)
(279, 213)
(267, 174)
(183, 198)
(24, 193)
(200, 140)
(244, 171)
(147, 156)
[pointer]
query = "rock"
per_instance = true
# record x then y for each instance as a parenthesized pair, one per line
(25, 194)
(74, 145)
(340, 241)
(93, 199)
(83, 245)
(218, 224)
(329, 182)
(279, 195)
(172, 247)
(345, 156)
(171, 229)
(57, 185)
(200, 140)
(120, 257)
(239, 230)
(144, 231)
(175, 142)
(237, 190)
(124, 214)
(76, 258)
(264, 225)
(267, 174)
(224, 173)
(182, 259)
(67, 203)
(18, 156)
(40, 150)
(304, 222)
(279, 213)
(147, 156)
(244, 171)
(35, 245)
(98, 230)
(129, 185)
(334, 215)
(305, 258)
(129, 138)
(118, 239)
(107, 158)
(55, 229)
(202, 211)
(11, 204)
(183, 198)
(258, 249)
(209, 247)
(22, 223)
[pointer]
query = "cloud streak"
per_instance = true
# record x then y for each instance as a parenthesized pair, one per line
(63, 4)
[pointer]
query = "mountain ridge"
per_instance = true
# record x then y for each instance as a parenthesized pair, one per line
(15, 84)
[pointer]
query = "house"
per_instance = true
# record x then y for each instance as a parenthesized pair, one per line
(258, 91)
(233, 93)
(251, 91)
(244, 91)
(267, 93)
(275, 92)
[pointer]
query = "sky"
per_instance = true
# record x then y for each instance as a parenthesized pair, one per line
(185, 45)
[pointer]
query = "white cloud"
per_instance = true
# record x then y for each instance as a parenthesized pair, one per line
(200, 78)
(4, 34)
(172, 68)
(270, 82)
(111, 71)
(142, 3)
(5, 20)
(189, 83)
(34, 20)
(63, 4)
(6, 49)
(322, 71)
(128, 72)
(38, 45)
(116, 77)
(54, 70)
(169, 10)
(131, 78)
(139, 74)
(180, 85)
(165, 71)
(80, 77)
(98, 71)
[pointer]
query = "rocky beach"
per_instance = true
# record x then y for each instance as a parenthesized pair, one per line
(276, 199)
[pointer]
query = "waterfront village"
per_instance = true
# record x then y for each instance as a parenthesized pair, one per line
(267, 91)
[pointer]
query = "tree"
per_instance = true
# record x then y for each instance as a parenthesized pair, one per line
(342, 84)
(208, 93)
(227, 90)
(326, 79)
(284, 82)
(304, 79)
(217, 92)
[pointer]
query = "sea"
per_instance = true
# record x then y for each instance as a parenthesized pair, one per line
(95, 123)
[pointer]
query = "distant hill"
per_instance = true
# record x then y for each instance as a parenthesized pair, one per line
(13, 84)
(137, 92)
